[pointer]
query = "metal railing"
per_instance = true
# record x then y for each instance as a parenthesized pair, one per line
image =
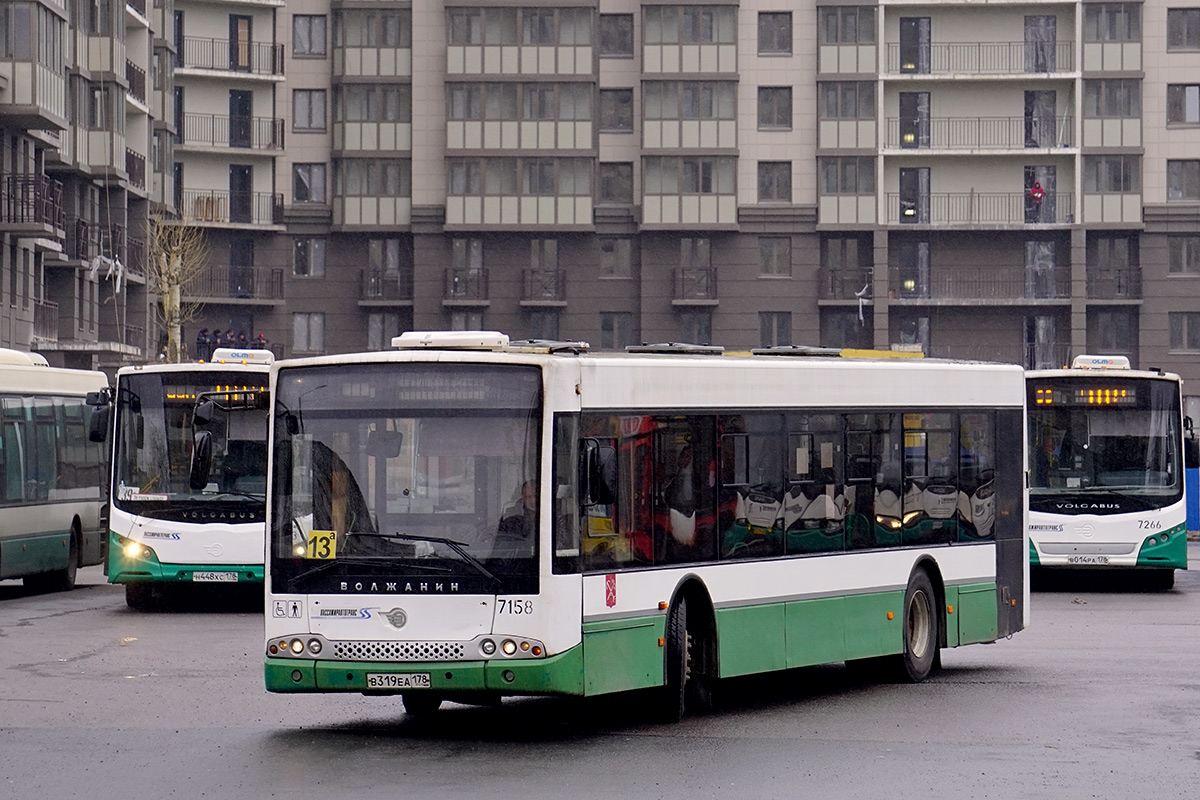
(980, 57)
(980, 208)
(135, 167)
(139, 6)
(136, 76)
(256, 58)
(846, 284)
(32, 199)
(980, 283)
(243, 283)
(216, 130)
(379, 284)
(466, 284)
(979, 133)
(544, 284)
(218, 205)
(83, 239)
(112, 241)
(1114, 284)
(45, 320)
(695, 283)
(135, 262)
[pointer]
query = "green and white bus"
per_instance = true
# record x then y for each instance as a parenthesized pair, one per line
(188, 482)
(1106, 447)
(51, 473)
(466, 517)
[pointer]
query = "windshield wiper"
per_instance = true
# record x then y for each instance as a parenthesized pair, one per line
(457, 547)
(334, 562)
(260, 498)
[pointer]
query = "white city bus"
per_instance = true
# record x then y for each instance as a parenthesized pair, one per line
(1106, 469)
(467, 518)
(175, 518)
(51, 473)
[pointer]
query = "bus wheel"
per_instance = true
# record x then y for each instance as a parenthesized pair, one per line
(678, 663)
(60, 580)
(1160, 580)
(139, 596)
(921, 633)
(420, 704)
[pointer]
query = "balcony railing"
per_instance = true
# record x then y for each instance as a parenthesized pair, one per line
(379, 284)
(980, 283)
(544, 284)
(1114, 284)
(980, 58)
(979, 133)
(255, 58)
(466, 285)
(139, 6)
(137, 81)
(237, 283)
(1031, 356)
(135, 262)
(112, 241)
(215, 130)
(83, 239)
(32, 200)
(220, 206)
(980, 208)
(695, 283)
(850, 284)
(45, 320)
(135, 168)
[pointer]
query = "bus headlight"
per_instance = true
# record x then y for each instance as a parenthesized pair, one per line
(134, 549)
(297, 646)
(508, 646)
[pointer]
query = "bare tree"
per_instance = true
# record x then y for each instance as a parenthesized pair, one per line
(178, 255)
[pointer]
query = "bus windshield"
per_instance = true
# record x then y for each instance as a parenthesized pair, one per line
(154, 439)
(1084, 443)
(406, 471)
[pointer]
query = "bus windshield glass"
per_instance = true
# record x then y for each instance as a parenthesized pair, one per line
(405, 471)
(1094, 438)
(155, 436)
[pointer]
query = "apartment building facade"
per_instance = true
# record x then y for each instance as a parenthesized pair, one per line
(1016, 181)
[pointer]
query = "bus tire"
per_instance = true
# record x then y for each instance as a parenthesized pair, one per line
(139, 596)
(921, 630)
(677, 663)
(60, 580)
(1160, 580)
(420, 704)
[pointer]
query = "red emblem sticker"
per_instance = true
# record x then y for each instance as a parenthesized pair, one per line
(610, 590)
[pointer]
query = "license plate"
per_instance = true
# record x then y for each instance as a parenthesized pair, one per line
(1087, 559)
(402, 680)
(215, 577)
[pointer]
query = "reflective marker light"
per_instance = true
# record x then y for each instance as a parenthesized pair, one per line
(488, 647)
(314, 646)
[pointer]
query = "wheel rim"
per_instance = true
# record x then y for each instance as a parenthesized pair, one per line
(919, 625)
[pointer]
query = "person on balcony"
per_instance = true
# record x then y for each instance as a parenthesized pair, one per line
(1033, 209)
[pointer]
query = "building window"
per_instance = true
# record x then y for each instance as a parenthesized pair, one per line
(616, 110)
(616, 184)
(1183, 104)
(465, 102)
(693, 175)
(774, 328)
(308, 35)
(548, 26)
(308, 110)
(847, 175)
(690, 100)
(1116, 332)
(361, 27)
(775, 107)
(846, 329)
(543, 323)
(616, 330)
(775, 33)
(466, 320)
(846, 100)
(376, 102)
(1183, 254)
(309, 257)
(1185, 330)
(466, 253)
(1112, 174)
(1183, 180)
(384, 326)
(914, 331)
(308, 183)
(616, 35)
(374, 177)
(543, 254)
(695, 326)
(846, 24)
(1183, 28)
(774, 181)
(616, 258)
(695, 251)
(1112, 22)
(308, 332)
(465, 26)
(1112, 97)
(775, 256)
(690, 25)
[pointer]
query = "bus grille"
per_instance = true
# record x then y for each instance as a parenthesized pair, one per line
(399, 651)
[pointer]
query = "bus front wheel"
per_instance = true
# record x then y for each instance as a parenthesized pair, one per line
(921, 631)
(678, 663)
(139, 596)
(420, 704)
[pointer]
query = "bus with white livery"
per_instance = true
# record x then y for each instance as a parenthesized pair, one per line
(1106, 452)
(467, 517)
(51, 472)
(188, 481)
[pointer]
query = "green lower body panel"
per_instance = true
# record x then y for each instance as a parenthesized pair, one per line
(31, 555)
(146, 568)
(977, 612)
(623, 654)
(557, 675)
(1033, 556)
(1167, 549)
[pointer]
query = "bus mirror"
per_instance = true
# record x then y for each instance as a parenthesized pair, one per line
(384, 444)
(98, 425)
(1191, 452)
(201, 460)
(100, 398)
(204, 413)
(599, 473)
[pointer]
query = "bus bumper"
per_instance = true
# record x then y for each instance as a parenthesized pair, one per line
(1164, 550)
(134, 562)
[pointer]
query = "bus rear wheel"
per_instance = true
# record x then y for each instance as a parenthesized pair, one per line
(420, 704)
(921, 630)
(681, 681)
(60, 580)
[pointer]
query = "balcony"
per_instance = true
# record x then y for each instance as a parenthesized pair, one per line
(979, 285)
(979, 133)
(31, 205)
(136, 76)
(980, 58)
(544, 287)
(45, 321)
(694, 286)
(854, 284)
(215, 130)
(83, 239)
(466, 286)
(216, 206)
(242, 285)
(135, 168)
(384, 286)
(980, 209)
(135, 261)
(251, 58)
(1114, 284)
(139, 6)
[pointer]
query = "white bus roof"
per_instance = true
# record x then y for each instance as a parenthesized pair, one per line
(31, 375)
